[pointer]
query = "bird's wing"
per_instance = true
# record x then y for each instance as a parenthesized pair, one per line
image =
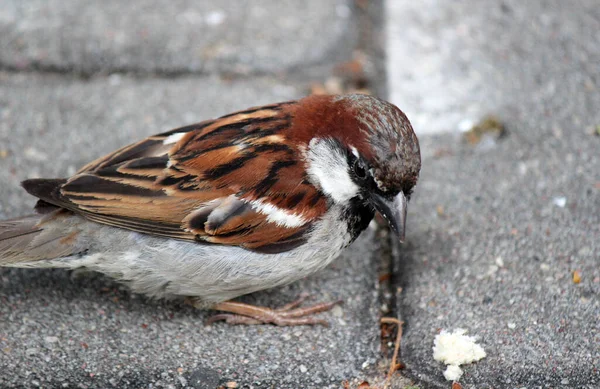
(235, 180)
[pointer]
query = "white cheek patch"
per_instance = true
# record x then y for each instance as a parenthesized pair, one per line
(277, 215)
(174, 138)
(328, 167)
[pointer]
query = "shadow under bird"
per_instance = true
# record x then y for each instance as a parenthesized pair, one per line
(249, 201)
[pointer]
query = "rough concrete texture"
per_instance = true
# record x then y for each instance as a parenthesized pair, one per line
(81, 329)
(451, 61)
(498, 229)
(173, 37)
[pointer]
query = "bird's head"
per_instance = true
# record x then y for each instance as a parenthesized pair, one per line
(360, 147)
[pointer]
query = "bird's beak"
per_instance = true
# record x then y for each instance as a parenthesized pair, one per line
(394, 211)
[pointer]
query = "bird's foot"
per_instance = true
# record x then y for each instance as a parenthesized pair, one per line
(288, 315)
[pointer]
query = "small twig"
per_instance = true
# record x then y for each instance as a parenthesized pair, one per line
(394, 364)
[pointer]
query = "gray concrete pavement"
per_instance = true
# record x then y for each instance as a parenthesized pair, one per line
(499, 228)
(175, 37)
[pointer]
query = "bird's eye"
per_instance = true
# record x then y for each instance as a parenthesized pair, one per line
(359, 170)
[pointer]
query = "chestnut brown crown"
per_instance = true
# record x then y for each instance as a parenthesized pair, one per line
(377, 129)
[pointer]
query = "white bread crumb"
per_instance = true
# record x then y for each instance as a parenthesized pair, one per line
(453, 373)
(455, 349)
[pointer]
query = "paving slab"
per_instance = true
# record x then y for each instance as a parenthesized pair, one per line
(499, 228)
(82, 330)
(180, 36)
(451, 61)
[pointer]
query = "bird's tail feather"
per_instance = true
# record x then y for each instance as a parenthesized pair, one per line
(34, 238)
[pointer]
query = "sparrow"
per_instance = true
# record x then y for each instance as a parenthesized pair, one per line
(252, 200)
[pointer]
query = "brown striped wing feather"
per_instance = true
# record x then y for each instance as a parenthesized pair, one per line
(217, 181)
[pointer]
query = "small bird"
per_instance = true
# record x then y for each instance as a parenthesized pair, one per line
(226, 207)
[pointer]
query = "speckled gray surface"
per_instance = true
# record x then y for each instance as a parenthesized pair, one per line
(235, 36)
(518, 216)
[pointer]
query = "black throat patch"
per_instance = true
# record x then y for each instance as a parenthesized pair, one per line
(358, 216)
